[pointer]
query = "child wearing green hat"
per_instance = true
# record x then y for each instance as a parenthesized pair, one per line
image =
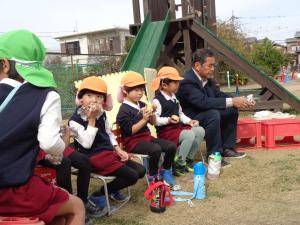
(30, 116)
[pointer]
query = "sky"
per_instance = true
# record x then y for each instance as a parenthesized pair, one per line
(275, 19)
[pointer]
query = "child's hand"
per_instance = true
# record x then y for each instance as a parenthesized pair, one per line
(146, 114)
(174, 119)
(154, 107)
(66, 135)
(122, 154)
(92, 111)
(194, 123)
(54, 159)
(151, 108)
(130, 156)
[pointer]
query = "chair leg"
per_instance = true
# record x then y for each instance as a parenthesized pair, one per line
(106, 196)
(120, 205)
(105, 180)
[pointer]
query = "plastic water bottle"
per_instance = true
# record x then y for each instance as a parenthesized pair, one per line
(214, 166)
(199, 180)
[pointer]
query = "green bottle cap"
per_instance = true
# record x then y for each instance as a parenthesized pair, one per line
(217, 156)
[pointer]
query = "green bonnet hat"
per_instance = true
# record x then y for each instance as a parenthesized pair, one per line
(27, 50)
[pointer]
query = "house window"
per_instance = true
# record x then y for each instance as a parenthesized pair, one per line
(72, 48)
(111, 44)
(103, 46)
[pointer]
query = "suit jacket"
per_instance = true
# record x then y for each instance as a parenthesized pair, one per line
(194, 98)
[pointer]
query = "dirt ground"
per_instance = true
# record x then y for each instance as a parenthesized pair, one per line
(263, 188)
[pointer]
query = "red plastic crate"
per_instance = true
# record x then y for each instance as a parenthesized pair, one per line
(20, 221)
(287, 128)
(248, 128)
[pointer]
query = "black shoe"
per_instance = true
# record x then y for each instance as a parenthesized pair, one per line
(176, 173)
(118, 196)
(178, 170)
(225, 164)
(232, 153)
(190, 164)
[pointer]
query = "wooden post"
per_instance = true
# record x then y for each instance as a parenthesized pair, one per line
(167, 50)
(187, 48)
(156, 8)
(146, 7)
(136, 11)
(172, 9)
(211, 14)
(184, 6)
(73, 68)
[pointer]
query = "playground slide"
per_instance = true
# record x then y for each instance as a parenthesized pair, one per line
(146, 48)
(240, 62)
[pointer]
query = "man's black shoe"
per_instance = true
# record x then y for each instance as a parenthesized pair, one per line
(232, 153)
(225, 164)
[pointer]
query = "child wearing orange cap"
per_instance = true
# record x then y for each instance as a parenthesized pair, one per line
(94, 138)
(133, 117)
(172, 124)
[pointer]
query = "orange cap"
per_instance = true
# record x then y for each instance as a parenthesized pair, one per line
(97, 84)
(93, 83)
(165, 72)
(132, 79)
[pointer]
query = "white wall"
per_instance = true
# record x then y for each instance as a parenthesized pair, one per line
(92, 39)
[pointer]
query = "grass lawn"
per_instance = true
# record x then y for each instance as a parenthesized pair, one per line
(263, 188)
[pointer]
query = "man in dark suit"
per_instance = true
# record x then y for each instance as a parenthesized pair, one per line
(216, 112)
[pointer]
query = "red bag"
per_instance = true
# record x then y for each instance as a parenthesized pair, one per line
(159, 194)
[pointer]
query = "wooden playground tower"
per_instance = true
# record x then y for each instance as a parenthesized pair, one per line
(197, 29)
(180, 41)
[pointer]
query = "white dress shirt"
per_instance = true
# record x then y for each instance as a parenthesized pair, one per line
(86, 137)
(160, 121)
(48, 131)
(136, 106)
(229, 102)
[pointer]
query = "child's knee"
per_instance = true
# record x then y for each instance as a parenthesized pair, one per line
(74, 206)
(171, 147)
(190, 136)
(133, 178)
(86, 164)
(155, 151)
(141, 172)
(199, 132)
(77, 203)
